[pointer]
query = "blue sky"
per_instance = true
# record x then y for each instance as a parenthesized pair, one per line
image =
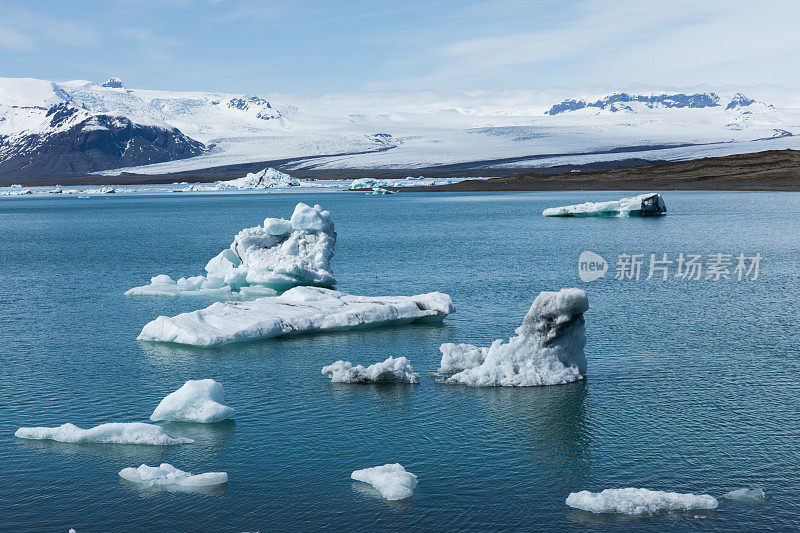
(325, 46)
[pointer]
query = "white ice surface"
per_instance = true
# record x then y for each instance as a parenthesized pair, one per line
(268, 178)
(196, 401)
(547, 350)
(168, 477)
(642, 205)
(752, 495)
(391, 480)
(393, 369)
(275, 256)
(639, 502)
(298, 310)
(111, 433)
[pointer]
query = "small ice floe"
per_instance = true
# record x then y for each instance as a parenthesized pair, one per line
(298, 310)
(363, 183)
(101, 190)
(269, 178)
(397, 370)
(278, 255)
(391, 480)
(112, 433)
(548, 348)
(639, 502)
(635, 206)
(168, 477)
(379, 191)
(750, 495)
(196, 401)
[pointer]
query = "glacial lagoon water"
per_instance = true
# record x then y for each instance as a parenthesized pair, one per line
(693, 384)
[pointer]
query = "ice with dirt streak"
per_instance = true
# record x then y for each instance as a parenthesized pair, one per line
(168, 477)
(269, 178)
(298, 310)
(391, 480)
(651, 204)
(392, 370)
(547, 350)
(111, 433)
(198, 400)
(262, 260)
(639, 502)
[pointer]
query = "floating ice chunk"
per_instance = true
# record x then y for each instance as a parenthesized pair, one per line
(391, 370)
(299, 310)
(363, 183)
(196, 401)
(101, 190)
(112, 433)
(268, 178)
(391, 480)
(639, 501)
(548, 348)
(379, 191)
(752, 495)
(169, 477)
(276, 256)
(635, 206)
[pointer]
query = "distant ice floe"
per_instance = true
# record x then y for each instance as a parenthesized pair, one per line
(112, 433)
(196, 401)
(397, 370)
(639, 502)
(636, 206)
(168, 477)
(751, 495)
(548, 348)
(379, 191)
(391, 480)
(269, 178)
(299, 310)
(276, 256)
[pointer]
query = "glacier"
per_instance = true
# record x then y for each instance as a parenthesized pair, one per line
(547, 350)
(196, 401)
(111, 433)
(397, 370)
(750, 495)
(168, 477)
(275, 256)
(651, 204)
(391, 480)
(639, 502)
(298, 310)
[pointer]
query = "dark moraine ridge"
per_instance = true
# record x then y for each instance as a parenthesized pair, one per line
(772, 170)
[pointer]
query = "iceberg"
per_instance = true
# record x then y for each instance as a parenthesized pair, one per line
(269, 178)
(379, 191)
(298, 310)
(196, 401)
(548, 348)
(168, 477)
(751, 495)
(363, 183)
(112, 433)
(396, 370)
(639, 502)
(276, 256)
(636, 206)
(391, 480)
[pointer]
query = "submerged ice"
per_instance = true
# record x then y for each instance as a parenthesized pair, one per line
(275, 256)
(642, 205)
(751, 495)
(639, 502)
(391, 480)
(111, 433)
(397, 370)
(196, 401)
(547, 350)
(168, 477)
(298, 310)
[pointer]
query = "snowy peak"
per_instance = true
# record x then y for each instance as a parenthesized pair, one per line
(113, 83)
(261, 108)
(623, 102)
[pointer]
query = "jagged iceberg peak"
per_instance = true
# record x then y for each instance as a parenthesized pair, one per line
(114, 83)
(269, 178)
(196, 401)
(548, 348)
(261, 260)
(650, 204)
(392, 370)
(391, 480)
(166, 476)
(639, 502)
(111, 433)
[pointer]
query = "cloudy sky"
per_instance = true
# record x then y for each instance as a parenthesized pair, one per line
(322, 46)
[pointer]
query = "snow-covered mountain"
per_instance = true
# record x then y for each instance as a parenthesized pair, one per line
(75, 127)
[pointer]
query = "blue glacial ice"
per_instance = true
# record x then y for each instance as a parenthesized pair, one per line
(636, 206)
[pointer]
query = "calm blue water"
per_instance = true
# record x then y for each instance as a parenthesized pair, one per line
(693, 385)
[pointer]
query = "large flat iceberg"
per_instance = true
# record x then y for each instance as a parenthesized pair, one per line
(275, 256)
(269, 178)
(639, 502)
(548, 348)
(635, 206)
(168, 477)
(196, 401)
(393, 369)
(299, 310)
(112, 433)
(391, 480)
